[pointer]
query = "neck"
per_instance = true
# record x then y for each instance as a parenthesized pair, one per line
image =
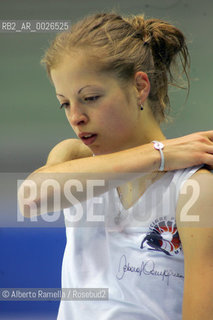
(130, 192)
(149, 130)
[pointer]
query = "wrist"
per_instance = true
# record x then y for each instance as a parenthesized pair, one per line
(159, 147)
(153, 158)
(156, 158)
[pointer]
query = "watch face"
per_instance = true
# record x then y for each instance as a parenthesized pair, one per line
(158, 145)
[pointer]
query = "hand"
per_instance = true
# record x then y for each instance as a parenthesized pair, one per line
(190, 150)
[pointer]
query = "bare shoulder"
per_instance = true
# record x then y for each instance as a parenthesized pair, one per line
(66, 150)
(199, 186)
(201, 171)
(204, 180)
(195, 227)
(195, 203)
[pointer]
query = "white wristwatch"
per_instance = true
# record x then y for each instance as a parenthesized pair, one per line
(159, 146)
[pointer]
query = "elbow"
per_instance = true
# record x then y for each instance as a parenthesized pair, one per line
(37, 196)
(26, 207)
(28, 202)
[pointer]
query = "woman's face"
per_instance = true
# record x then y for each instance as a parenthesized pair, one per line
(96, 106)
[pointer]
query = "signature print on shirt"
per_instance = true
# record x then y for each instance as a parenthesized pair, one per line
(163, 236)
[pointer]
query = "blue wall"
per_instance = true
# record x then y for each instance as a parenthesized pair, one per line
(30, 258)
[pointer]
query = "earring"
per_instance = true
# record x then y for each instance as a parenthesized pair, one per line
(141, 107)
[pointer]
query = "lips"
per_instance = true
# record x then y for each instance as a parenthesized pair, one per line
(87, 137)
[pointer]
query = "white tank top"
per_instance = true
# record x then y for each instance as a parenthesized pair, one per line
(136, 254)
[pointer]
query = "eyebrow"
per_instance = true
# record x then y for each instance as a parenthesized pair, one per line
(61, 95)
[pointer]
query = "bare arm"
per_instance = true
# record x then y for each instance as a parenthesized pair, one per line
(66, 150)
(197, 241)
(111, 169)
(124, 165)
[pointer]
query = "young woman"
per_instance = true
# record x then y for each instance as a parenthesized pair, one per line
(111, 75)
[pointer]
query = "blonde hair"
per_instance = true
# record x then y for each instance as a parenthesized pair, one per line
(124, 45)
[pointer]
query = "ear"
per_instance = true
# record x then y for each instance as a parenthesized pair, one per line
(142, 85)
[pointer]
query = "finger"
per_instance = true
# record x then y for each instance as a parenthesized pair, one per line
(208, 159)
(208, 134)
(209, 149)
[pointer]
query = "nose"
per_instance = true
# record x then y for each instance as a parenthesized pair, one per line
(76, 117)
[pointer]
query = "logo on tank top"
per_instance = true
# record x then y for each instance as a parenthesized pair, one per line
(163, 237)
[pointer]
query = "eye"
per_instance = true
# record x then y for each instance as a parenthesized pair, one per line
(64, 105)
(93, 98)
